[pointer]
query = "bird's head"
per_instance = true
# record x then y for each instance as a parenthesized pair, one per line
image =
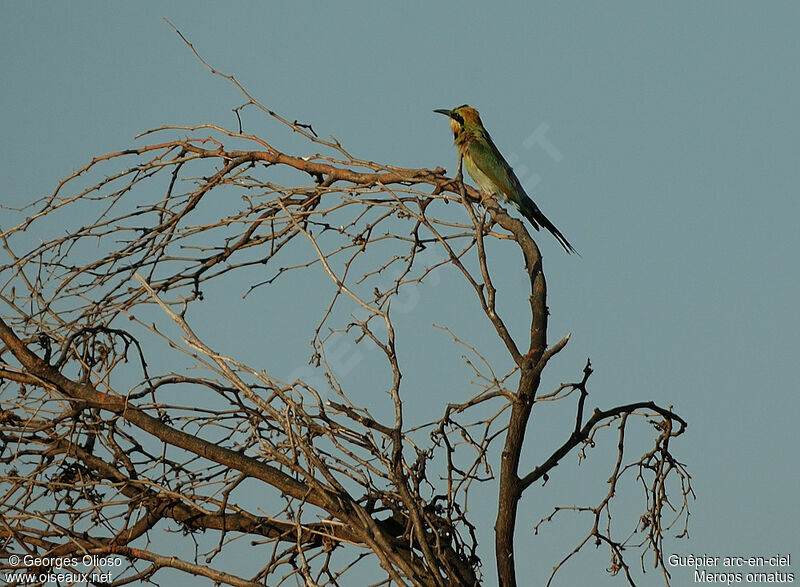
(461, 118)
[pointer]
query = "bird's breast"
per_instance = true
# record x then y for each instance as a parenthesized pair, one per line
(484, 182)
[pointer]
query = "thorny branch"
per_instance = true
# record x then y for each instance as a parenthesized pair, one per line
(107, 441)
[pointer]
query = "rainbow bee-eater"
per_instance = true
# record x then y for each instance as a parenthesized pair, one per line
(489, 169)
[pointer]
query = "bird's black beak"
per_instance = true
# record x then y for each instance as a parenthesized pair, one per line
(445, 112)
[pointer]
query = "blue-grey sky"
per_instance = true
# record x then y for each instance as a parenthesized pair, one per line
(674, 173)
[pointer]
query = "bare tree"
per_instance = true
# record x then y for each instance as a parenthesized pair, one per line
(101, 451)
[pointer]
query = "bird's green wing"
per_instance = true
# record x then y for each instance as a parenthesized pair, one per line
(487, 157)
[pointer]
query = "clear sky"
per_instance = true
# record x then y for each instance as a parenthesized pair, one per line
(675, 129)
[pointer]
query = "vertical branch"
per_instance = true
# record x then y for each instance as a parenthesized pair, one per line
(510, 487)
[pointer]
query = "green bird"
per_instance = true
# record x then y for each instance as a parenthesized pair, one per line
(489, 169)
